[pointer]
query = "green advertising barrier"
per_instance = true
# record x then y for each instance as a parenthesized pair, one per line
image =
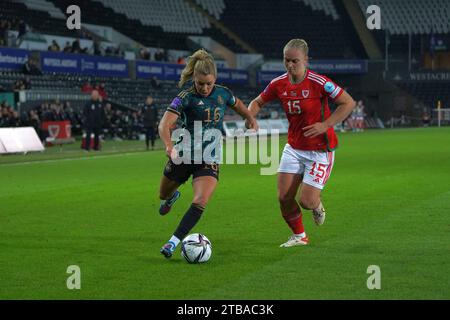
(9, 98)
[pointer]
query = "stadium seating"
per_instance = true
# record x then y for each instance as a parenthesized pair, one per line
(328, 37)
(428, 92)
(45, 6)
(418, 18)
(326, 6)
(214, 7)
(39, 20)
(172, 16)
(415, 16)
(152, 30)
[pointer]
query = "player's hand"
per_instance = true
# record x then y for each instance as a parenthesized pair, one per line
(171, 153)
(315, 129)
(252, 124)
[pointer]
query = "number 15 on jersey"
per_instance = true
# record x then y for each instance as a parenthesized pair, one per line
(294, 107)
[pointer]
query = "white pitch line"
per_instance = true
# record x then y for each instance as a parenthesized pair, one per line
(68, 159)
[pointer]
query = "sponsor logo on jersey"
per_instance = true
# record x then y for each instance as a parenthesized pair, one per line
(201, 103)
(317, 180)
(329, 87)
(284, 93)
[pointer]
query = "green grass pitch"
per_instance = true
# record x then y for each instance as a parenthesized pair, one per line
(387, 201)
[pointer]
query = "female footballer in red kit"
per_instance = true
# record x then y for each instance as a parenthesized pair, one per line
(308, 157)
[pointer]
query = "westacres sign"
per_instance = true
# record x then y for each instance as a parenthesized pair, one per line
(84, 64)
(166, 71)
(325, 67)
(13, 59)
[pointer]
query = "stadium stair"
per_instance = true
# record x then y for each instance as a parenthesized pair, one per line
(365, 35)
(222, 28)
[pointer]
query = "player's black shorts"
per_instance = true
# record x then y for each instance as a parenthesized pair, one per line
(181, 172)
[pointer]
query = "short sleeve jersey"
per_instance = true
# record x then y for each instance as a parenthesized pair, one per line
(305, 103)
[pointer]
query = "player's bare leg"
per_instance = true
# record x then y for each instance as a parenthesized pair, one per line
(203, 190)
(310, 200)
(288, 185)
(168, 193)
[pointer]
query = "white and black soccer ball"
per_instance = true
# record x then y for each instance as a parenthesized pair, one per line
(196, 248)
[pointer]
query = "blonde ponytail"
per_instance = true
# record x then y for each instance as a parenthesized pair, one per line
(201, 62)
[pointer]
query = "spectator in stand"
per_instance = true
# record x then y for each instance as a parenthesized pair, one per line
(2, 119)
(144, 54)
(108, 121)
(27, 83)
(30, 67)
(4, 28)
(18, 86)
(67, 48)
(97, 49)
(76, 48)
(46, 112)
(155, 83)
(54, 47)
(87, 88)
(14, 120)
(101, 91)
(4, 114)
(35, 122)
(181, 60)
(135, 126)
(159, 55)
(23, 28)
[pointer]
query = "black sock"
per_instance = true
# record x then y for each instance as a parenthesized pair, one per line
(190, 219)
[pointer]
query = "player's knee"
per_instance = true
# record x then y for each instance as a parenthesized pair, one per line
(200, 201)
(285, 199)
(309, 203)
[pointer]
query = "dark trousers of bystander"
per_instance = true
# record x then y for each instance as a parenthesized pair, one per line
(96, 133)
(150, 136)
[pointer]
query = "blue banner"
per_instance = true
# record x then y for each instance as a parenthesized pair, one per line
(147, 70)
(84, 64)
(339, 66)
(167, 71)
(324, 67)
(232, 76)
(267, 76)
(12, 59)
(58, 62)
(173, 71)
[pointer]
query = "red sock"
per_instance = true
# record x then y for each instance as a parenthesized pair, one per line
(294, 221)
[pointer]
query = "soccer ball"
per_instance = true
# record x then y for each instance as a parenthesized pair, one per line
(196, 248)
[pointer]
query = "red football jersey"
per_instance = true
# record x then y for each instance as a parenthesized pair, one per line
(305, 103)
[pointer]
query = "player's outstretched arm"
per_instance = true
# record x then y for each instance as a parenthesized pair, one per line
(167, 121)
(241, 109)
(345, 105)
(255, 106)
